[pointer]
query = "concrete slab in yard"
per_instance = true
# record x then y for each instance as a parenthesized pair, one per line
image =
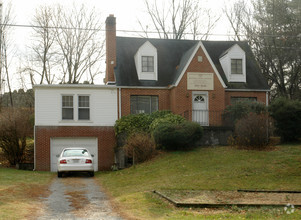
(207, 198)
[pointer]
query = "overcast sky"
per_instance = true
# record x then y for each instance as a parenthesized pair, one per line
(127, 13)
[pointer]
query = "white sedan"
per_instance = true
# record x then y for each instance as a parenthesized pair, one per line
(75, 159)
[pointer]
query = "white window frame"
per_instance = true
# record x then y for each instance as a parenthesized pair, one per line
(149, 68)
(78, 107)
(62, 107)
(236, 66)
(234, 53)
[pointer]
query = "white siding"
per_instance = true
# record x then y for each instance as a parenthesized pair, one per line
(235, 52)
(147, 49)
(48, 106)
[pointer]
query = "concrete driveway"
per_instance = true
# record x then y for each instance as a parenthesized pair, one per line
(76, 197)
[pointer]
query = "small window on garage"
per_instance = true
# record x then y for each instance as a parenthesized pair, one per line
(83, 107)
(67, 107)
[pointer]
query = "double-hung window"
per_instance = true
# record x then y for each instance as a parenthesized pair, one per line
(147, 64)
(83, 107)
(67, 107)
(144, 104)
(236, 66)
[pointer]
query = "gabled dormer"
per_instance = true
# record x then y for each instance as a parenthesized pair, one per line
(233, 62)
(146, 61)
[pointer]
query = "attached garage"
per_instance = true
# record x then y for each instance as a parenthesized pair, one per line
(58, 144)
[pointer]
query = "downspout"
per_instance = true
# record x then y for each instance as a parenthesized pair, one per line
(119, 103)
(34, 149)
(34, 134)
(119, 116)
(267, 104)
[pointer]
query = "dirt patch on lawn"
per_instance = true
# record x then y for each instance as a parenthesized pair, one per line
(78, 199)
(218, 198)
(24, 191)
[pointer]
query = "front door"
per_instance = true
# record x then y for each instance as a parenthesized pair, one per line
(200, 108)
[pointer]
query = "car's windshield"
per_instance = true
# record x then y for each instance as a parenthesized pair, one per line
(75, 152)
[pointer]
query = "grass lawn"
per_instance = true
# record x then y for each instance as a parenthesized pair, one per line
(20, 191)
(220, 168)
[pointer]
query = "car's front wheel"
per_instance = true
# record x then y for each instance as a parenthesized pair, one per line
(59, 174)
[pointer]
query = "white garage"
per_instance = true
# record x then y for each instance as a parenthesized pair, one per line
(58, 144)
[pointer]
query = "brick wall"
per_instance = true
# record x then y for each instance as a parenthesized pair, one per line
(181, 98)
(105, 135)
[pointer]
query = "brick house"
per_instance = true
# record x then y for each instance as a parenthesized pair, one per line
(196, 79)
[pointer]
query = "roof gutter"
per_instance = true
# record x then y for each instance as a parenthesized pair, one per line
(90, 86)
(83, 86)
(141, 87)
(247, 90)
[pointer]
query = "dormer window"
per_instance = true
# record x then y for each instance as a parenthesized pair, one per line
(146, 62)
(233, 62)
(236, 66)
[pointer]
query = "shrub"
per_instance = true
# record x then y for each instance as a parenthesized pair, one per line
(166, 118)
(159, 114)
(286, 114)
(132, 123)
(237, 111)
(140, 147)
(15, 127)
(253, 131)
(170, 136)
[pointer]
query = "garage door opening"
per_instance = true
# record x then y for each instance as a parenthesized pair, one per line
(58, 144)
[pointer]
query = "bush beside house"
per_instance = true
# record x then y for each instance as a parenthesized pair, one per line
(286, 114)
(239, 110)
(141, 134)
(140, 147)
(253, 131)
(173, 136)
(16, 125)
(252, 124)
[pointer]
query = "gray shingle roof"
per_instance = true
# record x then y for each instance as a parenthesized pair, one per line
(172, 58)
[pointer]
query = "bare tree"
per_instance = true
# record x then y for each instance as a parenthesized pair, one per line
(6, 20)
(80, 45)
(43, 52)
(178, 18)
(67, 45)
(273, 29)
(235, 14)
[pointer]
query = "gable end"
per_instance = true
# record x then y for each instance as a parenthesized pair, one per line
(200, 44)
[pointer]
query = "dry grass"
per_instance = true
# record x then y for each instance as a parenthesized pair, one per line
(21, 192)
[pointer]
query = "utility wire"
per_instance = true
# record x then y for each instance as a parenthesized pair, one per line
(135, 31)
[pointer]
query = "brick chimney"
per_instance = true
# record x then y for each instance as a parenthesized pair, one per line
(110, 49)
